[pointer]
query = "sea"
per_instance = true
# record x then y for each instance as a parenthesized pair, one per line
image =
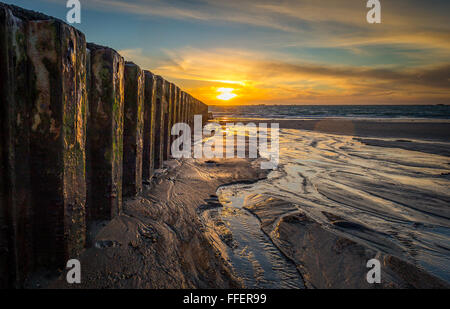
(332, 111)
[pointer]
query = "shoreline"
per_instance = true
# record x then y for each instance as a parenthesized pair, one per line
(424, 129)
(151, 238)
(160, 241)
(334, 240)
(90, 188)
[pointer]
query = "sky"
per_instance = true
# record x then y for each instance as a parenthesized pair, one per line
(227, 52)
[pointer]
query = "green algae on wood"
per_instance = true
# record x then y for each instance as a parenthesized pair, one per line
(173, 114)
(167, 118)
(45, 78)
(159, 122)
(105, 133)
(149, 126)
(57, 59)
(44, 117)
(189, 110)
(177, 105)
(133, 129)
(182, 106)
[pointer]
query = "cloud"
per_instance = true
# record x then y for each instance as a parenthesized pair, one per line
(300, 24)
(260, 79)
(224, 11)
(410, 33)
(296, 16)
(436, 77)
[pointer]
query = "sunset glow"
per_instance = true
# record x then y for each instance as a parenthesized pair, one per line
(293, 52)
(242, 147)
(226, 94)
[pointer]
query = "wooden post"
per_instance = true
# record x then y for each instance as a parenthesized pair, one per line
(148, 163)
(167, 118)
(159, 122)
(133, 130)
(105, 133)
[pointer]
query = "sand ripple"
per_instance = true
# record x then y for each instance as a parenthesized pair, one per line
(393, 200)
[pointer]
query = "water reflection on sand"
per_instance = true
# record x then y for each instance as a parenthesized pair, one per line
(394, 200)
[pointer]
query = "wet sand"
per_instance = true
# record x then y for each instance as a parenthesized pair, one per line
(338, 200)
(329, 259)
(433, 130)
(159, 241)
(251, 253)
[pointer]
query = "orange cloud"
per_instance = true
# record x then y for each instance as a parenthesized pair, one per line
(274, 76)
(256, 80)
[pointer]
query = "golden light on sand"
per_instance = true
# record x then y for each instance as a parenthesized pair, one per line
(226, 94)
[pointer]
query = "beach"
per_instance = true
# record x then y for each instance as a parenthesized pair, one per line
(426, 129)
(346, 191)
(430, 136)
(159, 241)
(334, 202)
(180, 154)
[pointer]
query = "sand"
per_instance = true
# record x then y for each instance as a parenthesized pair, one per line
(173, 236)
(433, 130)
(327, 259)
(159, 240)
(339, 200)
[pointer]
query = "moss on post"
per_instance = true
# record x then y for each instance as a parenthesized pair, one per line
(178, 105)
(159, 122)
(189, 111)
(167, 118)
(173, 114)
(184, 107)
(105, 133)
(46, 74)
(43, 85)
(148, 162)
(57, 56)
(133, 130)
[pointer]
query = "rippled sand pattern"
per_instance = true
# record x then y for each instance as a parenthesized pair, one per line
(255, 259)
(390, 199)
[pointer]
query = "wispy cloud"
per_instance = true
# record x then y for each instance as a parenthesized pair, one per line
(317, 20)
(257, 79)
(406, 59)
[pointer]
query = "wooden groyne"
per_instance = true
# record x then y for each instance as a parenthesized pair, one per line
(81, 129)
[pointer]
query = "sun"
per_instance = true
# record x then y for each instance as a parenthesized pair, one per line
(226, 94)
